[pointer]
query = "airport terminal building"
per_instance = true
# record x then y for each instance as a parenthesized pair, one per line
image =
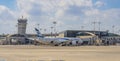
(90, 37)
(75, 33)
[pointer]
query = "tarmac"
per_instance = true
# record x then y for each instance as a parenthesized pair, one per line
(53, 53)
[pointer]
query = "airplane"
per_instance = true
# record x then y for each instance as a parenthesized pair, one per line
(49, 41)
(57, 41)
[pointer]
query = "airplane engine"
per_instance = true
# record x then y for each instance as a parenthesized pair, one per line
(52, 42)
(13, 41)
(73, 43)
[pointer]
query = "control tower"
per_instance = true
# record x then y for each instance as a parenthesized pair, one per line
(22, 23)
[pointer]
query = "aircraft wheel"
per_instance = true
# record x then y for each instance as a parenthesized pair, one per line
(56, 45)
(36, 43)
(52, 42)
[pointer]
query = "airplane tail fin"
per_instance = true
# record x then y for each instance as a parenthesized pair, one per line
(39, 35)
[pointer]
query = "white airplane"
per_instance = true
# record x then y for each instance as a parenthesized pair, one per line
(57, 41)
(51, 41)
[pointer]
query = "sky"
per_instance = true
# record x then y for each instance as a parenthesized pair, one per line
(69, 15)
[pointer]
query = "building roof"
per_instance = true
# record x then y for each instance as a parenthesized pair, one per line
(81, 31)
(112, 34)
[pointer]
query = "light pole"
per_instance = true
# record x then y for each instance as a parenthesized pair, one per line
(38, 25)
(113, 28)
(94, 23)
(51, 30)
(54, 22)
(119, 31)
(99, 25)
(16, 28)
(82, 27)
(45, 31)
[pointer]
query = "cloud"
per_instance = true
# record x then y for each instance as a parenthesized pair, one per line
(7, 20)
(108, 18)
(6, 13)
(99, 4)
(44, 12)
(69, 14)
